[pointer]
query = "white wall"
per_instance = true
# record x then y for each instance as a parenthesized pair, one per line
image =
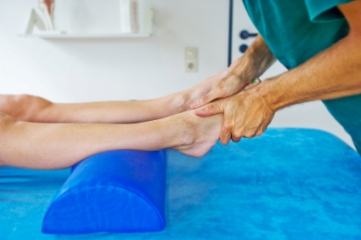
(109, 69)
(84, 70)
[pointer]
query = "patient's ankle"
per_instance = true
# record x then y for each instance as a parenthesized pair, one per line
(180, 102)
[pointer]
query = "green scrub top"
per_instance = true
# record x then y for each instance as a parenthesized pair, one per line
(297, 30)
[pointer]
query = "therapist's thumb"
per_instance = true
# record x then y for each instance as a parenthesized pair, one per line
(209, 97)
(211, 109)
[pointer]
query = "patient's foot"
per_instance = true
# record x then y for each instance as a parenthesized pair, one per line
(195, 135)
(180, 101)
(193, 94)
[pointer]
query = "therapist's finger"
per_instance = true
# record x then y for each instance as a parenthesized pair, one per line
(209, 97)
(236, 139)
(211, 109)
(227, 127)
(224, 88)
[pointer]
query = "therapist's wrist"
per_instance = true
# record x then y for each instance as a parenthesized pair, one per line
(255, 61)
(243, 68)
(276, 92)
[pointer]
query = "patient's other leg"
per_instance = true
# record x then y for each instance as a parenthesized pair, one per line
(53, 146)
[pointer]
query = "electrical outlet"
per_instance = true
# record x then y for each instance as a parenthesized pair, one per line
(191, 59)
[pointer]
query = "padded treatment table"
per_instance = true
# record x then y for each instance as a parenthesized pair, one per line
(286, 184)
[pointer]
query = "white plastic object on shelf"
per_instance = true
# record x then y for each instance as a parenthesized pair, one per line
(140, 23)
(47, 9)
(129, 19)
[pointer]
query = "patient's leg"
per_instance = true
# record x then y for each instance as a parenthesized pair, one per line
(36, 109)
(52, 146)
(129, 111)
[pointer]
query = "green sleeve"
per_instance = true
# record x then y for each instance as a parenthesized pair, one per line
(325, 10)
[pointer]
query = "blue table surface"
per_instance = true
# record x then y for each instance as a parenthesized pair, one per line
(286, 184)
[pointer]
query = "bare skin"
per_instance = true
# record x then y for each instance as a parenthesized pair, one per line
(37, 133)
(53, 146)
(248, 113)
(36, 109)
(257, 59)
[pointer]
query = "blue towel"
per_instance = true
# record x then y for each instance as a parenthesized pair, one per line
(286, 184)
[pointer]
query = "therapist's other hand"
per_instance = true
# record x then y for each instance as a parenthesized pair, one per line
(255, 61)
(246, 114)
(239, 76)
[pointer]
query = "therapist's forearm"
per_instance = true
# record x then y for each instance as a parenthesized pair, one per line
(334, 73)
(242, 73)
(256, 60)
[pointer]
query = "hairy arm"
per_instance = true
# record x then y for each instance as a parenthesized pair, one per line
(334, 73)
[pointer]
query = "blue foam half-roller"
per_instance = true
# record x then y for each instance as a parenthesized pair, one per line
(116, 191)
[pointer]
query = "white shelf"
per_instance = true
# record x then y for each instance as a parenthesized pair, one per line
(34, 20)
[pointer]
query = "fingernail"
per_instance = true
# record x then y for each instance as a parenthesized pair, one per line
(200, 110)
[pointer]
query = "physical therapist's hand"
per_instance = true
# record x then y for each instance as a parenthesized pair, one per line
(242, 72)
(239, 76)
(246, 114)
